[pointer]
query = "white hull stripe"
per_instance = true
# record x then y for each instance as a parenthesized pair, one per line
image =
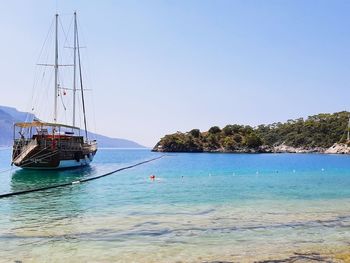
(74, 163)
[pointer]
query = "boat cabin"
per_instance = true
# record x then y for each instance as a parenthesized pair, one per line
(47, 135)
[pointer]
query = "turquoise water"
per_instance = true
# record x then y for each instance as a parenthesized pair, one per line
(200, 208)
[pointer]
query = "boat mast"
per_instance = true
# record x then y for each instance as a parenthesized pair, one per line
(75, 65)
(81, 85)
(56, 72)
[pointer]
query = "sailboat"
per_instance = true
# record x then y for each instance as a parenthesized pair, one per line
(52, 145)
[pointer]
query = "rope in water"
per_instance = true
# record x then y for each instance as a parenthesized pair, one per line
(78, 181)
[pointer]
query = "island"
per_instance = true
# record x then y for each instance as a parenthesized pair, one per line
(321, 133)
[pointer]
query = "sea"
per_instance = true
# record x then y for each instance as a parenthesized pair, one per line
(197, 207)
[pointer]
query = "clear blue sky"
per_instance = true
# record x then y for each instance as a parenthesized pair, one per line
(157, 67)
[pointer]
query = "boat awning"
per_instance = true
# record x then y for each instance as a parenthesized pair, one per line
(42, 124)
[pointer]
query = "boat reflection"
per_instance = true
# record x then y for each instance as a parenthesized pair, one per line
(24, 179)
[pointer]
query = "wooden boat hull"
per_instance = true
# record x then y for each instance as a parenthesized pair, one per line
(53, 153)
(56, 160)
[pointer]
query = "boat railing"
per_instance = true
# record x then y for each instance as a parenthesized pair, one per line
(90, 145)
(22, 141)
(25, 150)
(44, 143)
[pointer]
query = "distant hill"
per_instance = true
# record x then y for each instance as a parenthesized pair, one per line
(104, 141)
(9, 115)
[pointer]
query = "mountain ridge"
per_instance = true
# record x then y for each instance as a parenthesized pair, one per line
(10, 115)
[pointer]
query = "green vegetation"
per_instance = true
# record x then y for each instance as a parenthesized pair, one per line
(322, 130)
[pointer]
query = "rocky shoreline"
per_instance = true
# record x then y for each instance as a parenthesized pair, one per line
(337, 148)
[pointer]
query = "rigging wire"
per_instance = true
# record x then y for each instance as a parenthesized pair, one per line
(4, 149)
(42, 91)
(81, 85)
(88, 75)
(68, 31)
(42, 84)
(6, 170)
(36, 72)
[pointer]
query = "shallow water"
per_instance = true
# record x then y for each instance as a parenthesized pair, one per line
(200, 208)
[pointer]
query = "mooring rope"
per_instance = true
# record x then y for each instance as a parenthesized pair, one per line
(78, 181)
